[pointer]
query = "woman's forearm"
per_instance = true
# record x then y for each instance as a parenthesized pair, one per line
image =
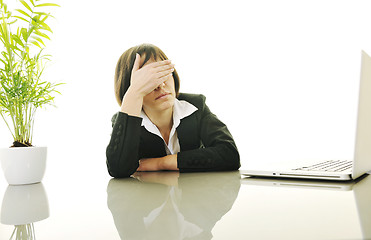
(169, 162)
(122, 150)
(132, 103)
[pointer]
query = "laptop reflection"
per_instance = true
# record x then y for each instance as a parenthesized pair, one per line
(309, 193)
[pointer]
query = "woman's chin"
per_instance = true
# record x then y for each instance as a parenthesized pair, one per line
(160, 104)
(165, 104)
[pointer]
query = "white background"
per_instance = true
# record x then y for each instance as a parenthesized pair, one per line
(283, 75)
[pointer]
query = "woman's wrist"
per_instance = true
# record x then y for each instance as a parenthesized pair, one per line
(170, 162)
(132, 103)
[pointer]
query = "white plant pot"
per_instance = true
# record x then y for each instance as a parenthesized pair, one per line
(23, 165)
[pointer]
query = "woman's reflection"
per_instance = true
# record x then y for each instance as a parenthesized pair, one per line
(169, 205)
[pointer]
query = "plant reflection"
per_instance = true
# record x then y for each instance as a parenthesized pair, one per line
(23, 232)
(169, 205)
(22, 206)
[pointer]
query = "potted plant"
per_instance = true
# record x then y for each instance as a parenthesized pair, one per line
(22, 91)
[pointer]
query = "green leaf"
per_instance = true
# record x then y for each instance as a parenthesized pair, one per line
(41, 13)
(21, 18)
(5, 54)
(17, 39)
(39, 40)
(45, 17)
(15, 48)
(47, 5)
(5, 63)
(23, 12)
(45, 26)
(24, 34)
(26, 5)
(12, 22)
(37, 32)
(36, 44)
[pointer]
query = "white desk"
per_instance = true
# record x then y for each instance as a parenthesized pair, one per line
(169, 205)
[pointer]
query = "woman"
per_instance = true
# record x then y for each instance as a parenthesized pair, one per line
(159, 128)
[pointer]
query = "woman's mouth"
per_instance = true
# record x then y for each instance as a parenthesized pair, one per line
(161, 96)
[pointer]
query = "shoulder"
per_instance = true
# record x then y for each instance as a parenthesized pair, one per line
(121, 117)
(198, 100)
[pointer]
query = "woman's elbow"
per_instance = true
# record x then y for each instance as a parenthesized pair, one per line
(120, 165)
(119, 173)
(234, 159)
(230, 158)
(118, 170)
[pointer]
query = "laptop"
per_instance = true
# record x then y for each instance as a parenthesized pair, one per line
(339, 170)
(302, 183)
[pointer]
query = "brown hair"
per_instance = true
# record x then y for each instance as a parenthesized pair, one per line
(125, 65)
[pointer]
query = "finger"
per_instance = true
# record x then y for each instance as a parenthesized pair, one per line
(140, 168)
(164, 73)
(162, 79)
(165, 68)
(160, 63)
(136, 62)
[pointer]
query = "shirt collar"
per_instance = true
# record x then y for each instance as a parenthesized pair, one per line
(181, 109)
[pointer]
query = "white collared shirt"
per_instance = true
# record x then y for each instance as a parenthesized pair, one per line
(181, 109)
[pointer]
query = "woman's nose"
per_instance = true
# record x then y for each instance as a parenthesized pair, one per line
(161, 86)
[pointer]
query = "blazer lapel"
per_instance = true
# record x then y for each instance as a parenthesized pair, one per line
(188, 133)
(151, 145)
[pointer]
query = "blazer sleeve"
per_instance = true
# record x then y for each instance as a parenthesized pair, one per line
(219, 151)
(122, 150)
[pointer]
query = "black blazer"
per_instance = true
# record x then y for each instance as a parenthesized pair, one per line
(205, 142)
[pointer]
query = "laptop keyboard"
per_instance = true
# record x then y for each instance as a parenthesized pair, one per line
(329, 166)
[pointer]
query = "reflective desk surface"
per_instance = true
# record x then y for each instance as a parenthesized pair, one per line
(169, 205)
